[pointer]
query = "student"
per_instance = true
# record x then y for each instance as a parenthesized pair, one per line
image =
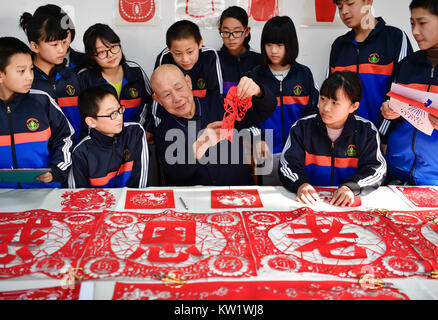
(48, 42)
(334, 147)
(75, 59)
(115, 153)
(34, 133)
(291, 82)
(108, 66)
(372, 49)
(236, 57)
(411, 154)
(186, 117)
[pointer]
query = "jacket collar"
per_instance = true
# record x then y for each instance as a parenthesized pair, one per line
(54, 74)
(349, 127)
(15, 101)
(350, 35)
(103, 139)
(239, 57)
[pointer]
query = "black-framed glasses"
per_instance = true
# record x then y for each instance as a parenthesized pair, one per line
(103, 54)
(235, 34)
(115, 114)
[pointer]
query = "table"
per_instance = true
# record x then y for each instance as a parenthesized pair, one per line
(262, 249)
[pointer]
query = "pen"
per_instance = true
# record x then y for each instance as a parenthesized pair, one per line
(184, 204)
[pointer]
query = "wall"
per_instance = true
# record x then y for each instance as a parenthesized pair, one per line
(143, 43)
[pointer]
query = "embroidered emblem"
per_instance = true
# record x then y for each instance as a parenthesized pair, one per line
(32, 124)
(126, 154)
(352, 150)
(374, 58)
(201, 83)
(71, 90)
(298, 90)
(133, 92)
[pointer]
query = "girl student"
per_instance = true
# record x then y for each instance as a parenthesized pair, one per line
(48, 42)
(236, 57)
(334, 147)
(291, 82)
(107, 65)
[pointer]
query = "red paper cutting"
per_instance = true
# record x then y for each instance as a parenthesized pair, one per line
(420, 197)
(345, 244)
(157, 199)
(135, 245)
(326, 194)
(40, 241)
(137, 10)
(225, 199)
(263, 10)
(204, 4)
(53, 293)
(235, 110)
(325, 10)
(87, 199)
(255, 290)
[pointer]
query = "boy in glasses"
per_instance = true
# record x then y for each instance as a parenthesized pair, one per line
(114, 154)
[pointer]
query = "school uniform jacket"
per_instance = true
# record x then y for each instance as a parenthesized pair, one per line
(136, 93)
(374, 60)
(354, 159)
(100, 161)
(206, 76)
(63, 86)
(175, 136)
(34, 133)
(235, 67)
(75, 60)
(412, 154)
(296, 97)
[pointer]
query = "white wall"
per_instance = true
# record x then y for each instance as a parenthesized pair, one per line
(143, 43)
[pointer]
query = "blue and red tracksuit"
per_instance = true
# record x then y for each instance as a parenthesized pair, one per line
(100, 161)
(62, 85)
(75, 60)
(34, 133)
(206, 76)
(296, 97)
(412, 154)
(354, 159)
(235, 67)
(136, 93)
(375, 60)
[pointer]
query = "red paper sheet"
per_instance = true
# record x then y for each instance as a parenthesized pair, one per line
(225, 199)
(420, 197)
(326, 194)
(156, 199)
(414, 103)
(345, 244)
(325, 10)
(256, 290)
(87, 200)
(235, 110)
(137, 10)
(147, 245)
(54, 293)
(263, 10)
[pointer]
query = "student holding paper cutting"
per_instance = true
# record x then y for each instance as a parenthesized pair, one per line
(34, 132)
(411, 154)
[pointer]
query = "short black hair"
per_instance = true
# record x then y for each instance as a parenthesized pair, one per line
(347, 80)
(59, 13)
(89, 99)
(42, 27)
(10, 46)
(107, 35)
(430, 5)
(239, 14)
(280, 29)
(183, 29)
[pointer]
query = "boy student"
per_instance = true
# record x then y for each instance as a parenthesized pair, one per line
(372, 49)
(209, 160)
(34, 133)
(410, 153)
(114, 154)
(48, 42)
(334, 147)
(185, 49)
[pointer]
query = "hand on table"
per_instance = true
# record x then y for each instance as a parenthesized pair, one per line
(342, 197)
(307, 194)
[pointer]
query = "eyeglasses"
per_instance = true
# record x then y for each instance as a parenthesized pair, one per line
(115, 114)
(235, 34)
(103, 54)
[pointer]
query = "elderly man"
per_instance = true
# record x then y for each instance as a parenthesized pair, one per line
(190, 143)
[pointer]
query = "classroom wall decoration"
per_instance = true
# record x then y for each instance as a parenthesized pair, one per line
(135, 12)
(320, 13)
(260, 11)
(205, 13)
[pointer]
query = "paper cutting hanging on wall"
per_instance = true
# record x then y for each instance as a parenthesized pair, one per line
(205, 13)
(320, 13)
(260, 11)
(134, 12)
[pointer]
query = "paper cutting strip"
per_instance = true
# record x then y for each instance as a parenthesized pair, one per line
(423, 106)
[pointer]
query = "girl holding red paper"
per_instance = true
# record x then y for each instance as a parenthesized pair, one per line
(411, 154)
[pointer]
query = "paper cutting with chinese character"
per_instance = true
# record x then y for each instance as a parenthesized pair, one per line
(154, 199)
(222, 199)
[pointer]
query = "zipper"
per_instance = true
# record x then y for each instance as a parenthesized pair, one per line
(113, 152)
(332, 173)
(282, 113)
(358, 59)
(11, 133)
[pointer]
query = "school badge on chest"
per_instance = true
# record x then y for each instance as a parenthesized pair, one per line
(201, 83)
(133, 92)
(32, 124)
(71, 90)
(126, 154)
(298, 90)
(374, 58)
(351, 150)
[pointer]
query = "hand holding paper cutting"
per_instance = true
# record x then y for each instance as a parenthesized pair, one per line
(433, 121)
(387, 112)
(209, 137)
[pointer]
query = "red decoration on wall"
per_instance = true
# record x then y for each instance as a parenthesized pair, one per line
(206, 5)
(239, 198)
(157, 199)
(263, 10)
(137, 10)
(255, 290)
(325, 10)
